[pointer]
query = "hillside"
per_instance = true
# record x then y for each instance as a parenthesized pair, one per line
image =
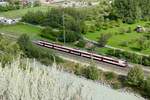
(38, 82)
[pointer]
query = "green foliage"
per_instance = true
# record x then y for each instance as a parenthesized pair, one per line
(131, 57)
(81, 43)
(70, 36)
(110, 75)
(135, 76)
(131, 10)
(34, 17)
(36, 3)
(143, 42)
(92, 73)
(32, 51)
(103, 39)
(73, 23)
(116, 85)
(79, 70)
(146, 86)
(124, 43)
(51, 34)
(9, 7)
(73, 19)
(8, 50)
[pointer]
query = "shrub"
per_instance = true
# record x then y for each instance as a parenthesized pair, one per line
(122, 31)
(124, 44)
(70, 36)
(36, 3)
(129, 30)
(49, 33)
(91, 72)
(81, 43)
(34, 17)
(79, 70)
(131, 57)
(135, 76)
(103, 39)
(116, 85)
(110, 76)
(146, 86)
(32, 51)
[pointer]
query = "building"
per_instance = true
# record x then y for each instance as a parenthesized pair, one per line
(51, 1)
(3, 3)
(8, 21)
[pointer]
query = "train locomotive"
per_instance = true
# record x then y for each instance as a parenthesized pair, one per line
(121, 63)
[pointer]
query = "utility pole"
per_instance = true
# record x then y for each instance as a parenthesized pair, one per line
(64, 32)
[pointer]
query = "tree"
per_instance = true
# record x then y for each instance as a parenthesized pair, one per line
(70, 36)
(145, 8)
(34, 17)
(135, 76)
(140, 42)
(103, 39)
(127, 10)
(24, 42)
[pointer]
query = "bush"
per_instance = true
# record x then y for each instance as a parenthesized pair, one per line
(103, 39)
(110, 76)
(122, 31)
(32, 51)
(36, 3)
(34, 17)
(129, 30)
(9, 7)
(81, 43)
(79, 70)
(135, 76)
(131, 57)
(92, 73)
(124, 44)
(70, 36)
(50, 33)
(116, 85)
(146, 86)
(129, 20)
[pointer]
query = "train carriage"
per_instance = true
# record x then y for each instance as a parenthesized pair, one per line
(82, 53)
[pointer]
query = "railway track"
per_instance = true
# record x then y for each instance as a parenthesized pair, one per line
(99, 64)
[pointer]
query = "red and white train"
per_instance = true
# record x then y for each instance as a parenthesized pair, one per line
(121, 63)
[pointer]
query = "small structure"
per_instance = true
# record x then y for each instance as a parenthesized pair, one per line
(3, 3)
(89, 45)
(8, 21)
(51, 1)
(139, 29)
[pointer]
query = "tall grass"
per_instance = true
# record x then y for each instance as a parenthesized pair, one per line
(34, 81)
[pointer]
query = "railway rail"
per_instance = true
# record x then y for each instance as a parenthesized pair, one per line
(100, 58)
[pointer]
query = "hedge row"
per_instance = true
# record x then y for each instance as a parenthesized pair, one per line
(131, 57)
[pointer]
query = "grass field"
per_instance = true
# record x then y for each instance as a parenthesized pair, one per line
(21, 12)
(117, 39)
(18, 29)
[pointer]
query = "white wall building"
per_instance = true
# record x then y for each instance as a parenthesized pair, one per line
(2, 2)
(8, 21)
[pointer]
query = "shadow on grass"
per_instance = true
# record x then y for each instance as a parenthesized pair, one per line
(135, 49)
